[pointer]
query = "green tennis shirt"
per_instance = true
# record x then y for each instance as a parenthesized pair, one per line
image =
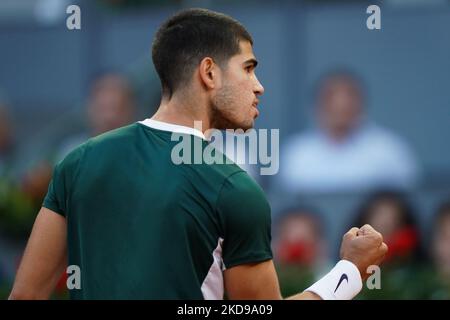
(141, 227)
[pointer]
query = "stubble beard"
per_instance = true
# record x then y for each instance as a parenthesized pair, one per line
(223, 111)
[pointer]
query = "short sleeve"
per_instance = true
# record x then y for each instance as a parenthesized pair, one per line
(62, 182)
(245, 213)
(54, 200)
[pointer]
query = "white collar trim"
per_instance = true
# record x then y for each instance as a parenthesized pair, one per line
(165, 126)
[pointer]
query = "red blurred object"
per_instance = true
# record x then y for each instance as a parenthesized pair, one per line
(61, 286)
(296, 253)
(402, 243)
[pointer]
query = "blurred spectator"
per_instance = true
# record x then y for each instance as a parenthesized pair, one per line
(110, 106)
(441, 252)
(13, 203)
(35, 182)
(345, 152)
(6, 140)
(298, 238)
(392, 215)
(441, 241)
(299, 248)
(404, 267)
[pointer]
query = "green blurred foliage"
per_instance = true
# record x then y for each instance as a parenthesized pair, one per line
(294, 279)
(17, 210)
(398, 282)
(410, 282)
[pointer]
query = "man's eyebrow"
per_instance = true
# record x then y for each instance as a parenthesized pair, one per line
(252, 62)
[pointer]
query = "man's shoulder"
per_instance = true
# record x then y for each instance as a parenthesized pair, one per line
(218, 173)
(112, 143)
(241, 185)
(122, 134)
(214, 162)
(225, 175)
(111, 140)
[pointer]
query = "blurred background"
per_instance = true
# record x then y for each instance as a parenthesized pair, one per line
(364, 120)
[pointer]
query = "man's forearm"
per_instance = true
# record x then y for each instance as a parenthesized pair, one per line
(44, 259)
(306, 295)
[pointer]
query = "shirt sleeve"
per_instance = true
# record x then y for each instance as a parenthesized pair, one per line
(245, 213)
(62, 182)
(54, 200)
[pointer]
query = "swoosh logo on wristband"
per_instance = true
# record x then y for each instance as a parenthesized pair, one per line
(343, 277)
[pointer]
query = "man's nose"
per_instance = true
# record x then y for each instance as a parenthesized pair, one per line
(259, 89)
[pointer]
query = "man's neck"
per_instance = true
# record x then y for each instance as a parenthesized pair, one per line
(182, 112)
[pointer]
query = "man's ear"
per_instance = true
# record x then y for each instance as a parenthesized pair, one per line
(209, 73)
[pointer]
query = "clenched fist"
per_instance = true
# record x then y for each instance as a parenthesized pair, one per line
(363, 247)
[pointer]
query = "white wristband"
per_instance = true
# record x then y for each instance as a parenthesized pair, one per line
(343, 282)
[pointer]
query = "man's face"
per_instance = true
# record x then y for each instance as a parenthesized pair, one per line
(441, 245)
(5, 132)
(340, 106)
(299, 240)
(110, 105)
(386, 218)
(234, 104)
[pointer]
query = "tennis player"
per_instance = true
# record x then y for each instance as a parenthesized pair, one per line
(139, 226)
